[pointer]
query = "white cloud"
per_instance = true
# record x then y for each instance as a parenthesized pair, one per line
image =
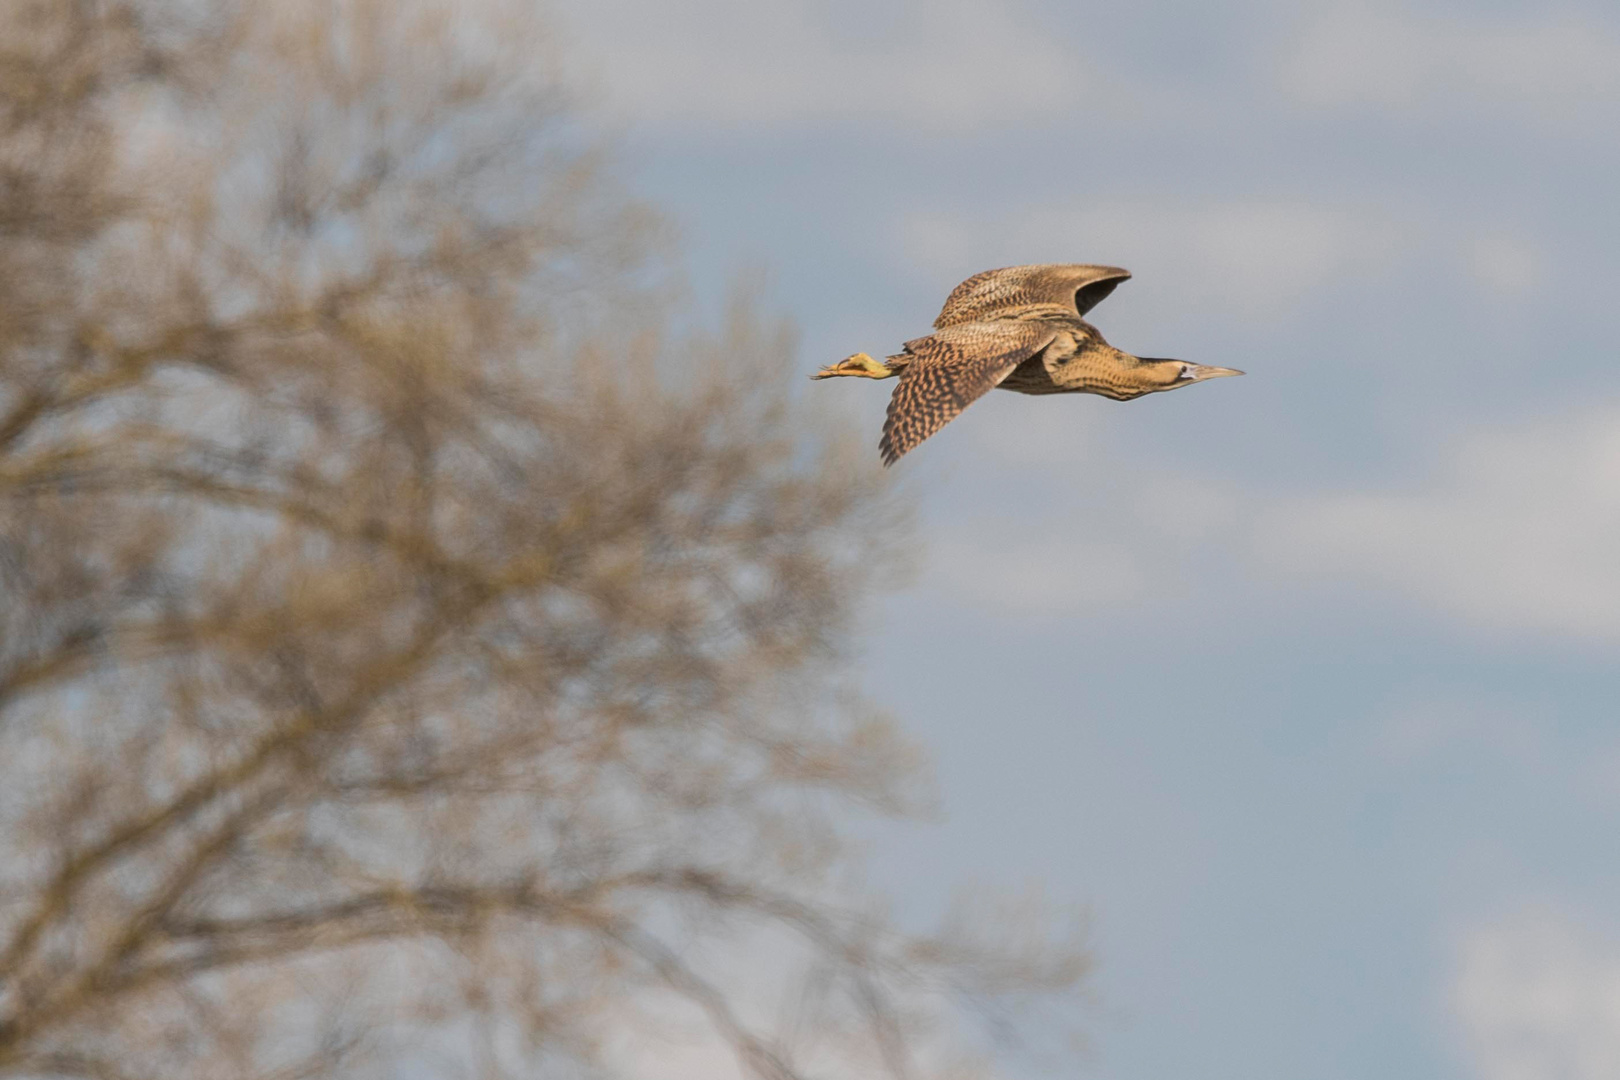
(1105, 549)
(1508, 264)
(1185, 510)
(1524, 743)
(1258, 256)
(1519, 532)
(943, 65)
(1114, 545)
(1536, 996)
(1361, 54)
(1513, 531)
(1021, 432)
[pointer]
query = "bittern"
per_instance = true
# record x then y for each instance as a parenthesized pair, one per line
(1020, 328)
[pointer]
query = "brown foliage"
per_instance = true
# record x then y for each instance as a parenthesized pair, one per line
(407, 645)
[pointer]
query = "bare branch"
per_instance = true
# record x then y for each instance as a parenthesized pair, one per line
(409, 644)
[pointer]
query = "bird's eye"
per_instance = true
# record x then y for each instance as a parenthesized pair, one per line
(1186, 372)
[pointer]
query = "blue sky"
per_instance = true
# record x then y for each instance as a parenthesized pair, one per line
(1306, 682)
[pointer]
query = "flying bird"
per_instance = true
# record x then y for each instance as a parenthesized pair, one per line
(1020, 328)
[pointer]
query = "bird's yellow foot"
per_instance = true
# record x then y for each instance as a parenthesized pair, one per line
(860, 364)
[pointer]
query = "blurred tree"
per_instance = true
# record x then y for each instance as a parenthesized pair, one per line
(410, 651)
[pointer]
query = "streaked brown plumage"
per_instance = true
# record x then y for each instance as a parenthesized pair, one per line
(1019, 328)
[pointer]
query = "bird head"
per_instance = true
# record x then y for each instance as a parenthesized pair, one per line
(1169, 374)
(860, 365)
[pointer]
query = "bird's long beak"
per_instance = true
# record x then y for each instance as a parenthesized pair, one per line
(859, 365)
(1200, 372)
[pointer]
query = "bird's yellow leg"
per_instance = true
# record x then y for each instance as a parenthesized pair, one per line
(860, 365)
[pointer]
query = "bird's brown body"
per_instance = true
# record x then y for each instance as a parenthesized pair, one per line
(1018, 328)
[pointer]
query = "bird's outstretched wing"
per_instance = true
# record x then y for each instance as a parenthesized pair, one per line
(948, 371)
(1073, 285)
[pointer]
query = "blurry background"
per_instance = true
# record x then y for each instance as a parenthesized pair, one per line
(1302, 683)
(1306, 681)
